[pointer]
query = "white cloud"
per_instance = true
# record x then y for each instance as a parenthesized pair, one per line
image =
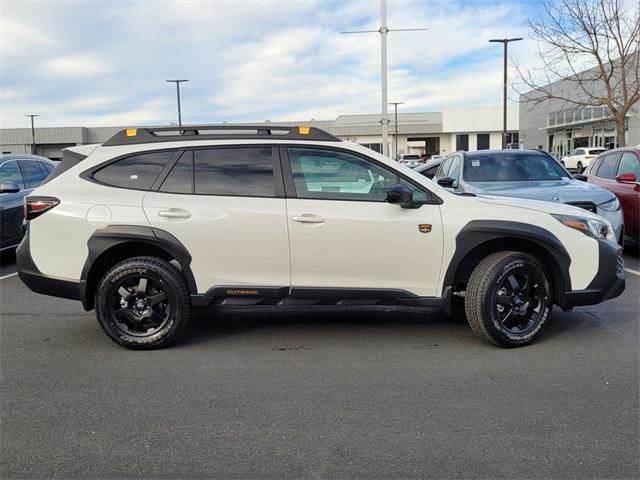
(75, 66)
(247, 60)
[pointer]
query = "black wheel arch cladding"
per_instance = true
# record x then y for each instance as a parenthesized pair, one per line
(482, 232)
(104, 240)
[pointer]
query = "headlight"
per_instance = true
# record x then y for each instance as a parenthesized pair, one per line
(610, 206)
(589, 226)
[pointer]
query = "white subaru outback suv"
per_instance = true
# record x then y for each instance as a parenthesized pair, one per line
(157, 221)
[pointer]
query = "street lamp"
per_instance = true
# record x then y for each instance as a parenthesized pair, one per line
(505, 42)
(178, 82)
(33, 133)
(383, 31)
(395, 107)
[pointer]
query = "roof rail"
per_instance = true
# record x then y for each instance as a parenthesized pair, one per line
(132, 136)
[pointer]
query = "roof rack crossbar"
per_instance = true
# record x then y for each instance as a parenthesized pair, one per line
(132, 136)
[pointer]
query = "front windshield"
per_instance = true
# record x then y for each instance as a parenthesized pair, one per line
(508, 167)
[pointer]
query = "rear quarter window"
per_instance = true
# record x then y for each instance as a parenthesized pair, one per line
(137, 172)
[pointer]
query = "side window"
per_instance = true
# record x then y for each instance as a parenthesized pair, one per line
(333, 175)
(577, 151)
(240, 171)
(137, 172)
(629, 163)
(33, 174)
(430, 172)
(444, 167)
(454, 171)
(608, 165)
(46, 167)
(10, 172)
(180, 179)
(418, 194)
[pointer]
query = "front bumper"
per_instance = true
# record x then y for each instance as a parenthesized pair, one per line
(608, 283)
(37, 281)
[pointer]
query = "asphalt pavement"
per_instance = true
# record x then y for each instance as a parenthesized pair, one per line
(307, 393)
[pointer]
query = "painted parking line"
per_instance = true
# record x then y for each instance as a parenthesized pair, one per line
(631, 270)
(10, 275)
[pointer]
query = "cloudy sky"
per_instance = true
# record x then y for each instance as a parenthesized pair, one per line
(95, 63)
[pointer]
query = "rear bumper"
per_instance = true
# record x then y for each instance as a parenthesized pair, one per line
(38, 281)
(607, 284)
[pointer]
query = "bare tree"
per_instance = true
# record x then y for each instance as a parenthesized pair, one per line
(594, 46)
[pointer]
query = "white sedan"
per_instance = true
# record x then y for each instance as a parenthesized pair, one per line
(580, 158)
(410, 160)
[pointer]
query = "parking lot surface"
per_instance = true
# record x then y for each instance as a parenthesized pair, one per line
(332, 393)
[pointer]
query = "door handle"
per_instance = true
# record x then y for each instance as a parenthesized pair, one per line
(175, 213)
(308, 218)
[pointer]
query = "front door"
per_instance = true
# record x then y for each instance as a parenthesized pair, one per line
(226, 205)
(344, 234)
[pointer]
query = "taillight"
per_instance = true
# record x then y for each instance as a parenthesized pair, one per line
(589, 157)
(36, 206)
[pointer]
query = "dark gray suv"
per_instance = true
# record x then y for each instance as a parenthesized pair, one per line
(19, 175)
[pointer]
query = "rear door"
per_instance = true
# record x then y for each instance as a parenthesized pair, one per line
(345, 235)
(226, 205)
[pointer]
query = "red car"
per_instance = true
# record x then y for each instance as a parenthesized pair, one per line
(618, 171)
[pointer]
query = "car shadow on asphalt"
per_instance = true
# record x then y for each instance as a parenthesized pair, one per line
(222, 322)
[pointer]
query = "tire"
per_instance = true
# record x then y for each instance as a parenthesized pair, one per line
(580, 167)
(508, 299)
(143, 303)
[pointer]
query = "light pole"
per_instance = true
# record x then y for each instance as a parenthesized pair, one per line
(178, 82)
(33, 133)
(395, 142)
(383, 31)
(505, 42)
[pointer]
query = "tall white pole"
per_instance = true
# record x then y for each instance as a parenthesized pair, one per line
(383, 62)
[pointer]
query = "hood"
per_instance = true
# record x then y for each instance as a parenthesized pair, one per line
(538, 205)
(557, 191)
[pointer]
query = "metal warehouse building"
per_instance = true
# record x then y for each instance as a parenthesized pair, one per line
(472, 128)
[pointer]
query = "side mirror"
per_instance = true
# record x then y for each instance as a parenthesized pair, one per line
(581, 177)
(9, 187)
(446, 182)
(401, 195)
(627, 177)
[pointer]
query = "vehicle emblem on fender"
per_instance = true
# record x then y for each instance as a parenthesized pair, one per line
(424, 227)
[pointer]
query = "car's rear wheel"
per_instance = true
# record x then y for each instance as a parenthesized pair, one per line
(580, 167)
(508, 298)
(143, 303)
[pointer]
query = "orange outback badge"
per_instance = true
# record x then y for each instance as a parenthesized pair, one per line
(424, 227)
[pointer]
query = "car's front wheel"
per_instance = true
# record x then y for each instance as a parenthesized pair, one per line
(143, 303)
(508, 298)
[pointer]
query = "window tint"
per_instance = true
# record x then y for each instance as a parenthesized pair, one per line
(418, 194)
(329, 174)
(33, 174)
(10, 172)
(137, 172)
(235, 171)
(180, 180)
(608, 165)
(629, 163)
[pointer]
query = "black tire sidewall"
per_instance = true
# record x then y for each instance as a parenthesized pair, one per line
(501, 271)
(157, 270)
